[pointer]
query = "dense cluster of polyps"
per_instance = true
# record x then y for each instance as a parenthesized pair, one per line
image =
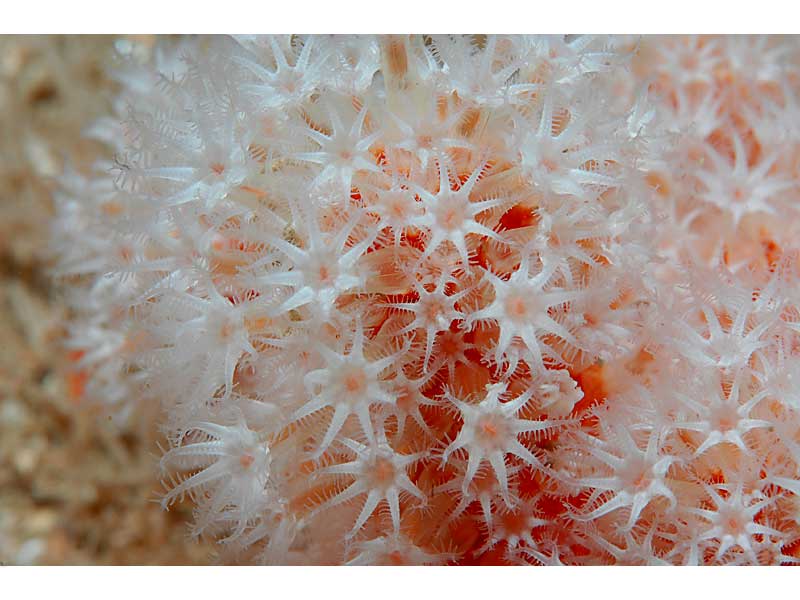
(458, 299)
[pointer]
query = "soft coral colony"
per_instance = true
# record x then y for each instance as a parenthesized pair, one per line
(457, 299)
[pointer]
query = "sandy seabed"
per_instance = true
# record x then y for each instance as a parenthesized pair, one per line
(75, 488)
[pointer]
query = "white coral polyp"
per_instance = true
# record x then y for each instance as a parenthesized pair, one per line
(228, 469)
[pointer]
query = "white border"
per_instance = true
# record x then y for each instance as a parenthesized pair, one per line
(376, 583)
(399, 16)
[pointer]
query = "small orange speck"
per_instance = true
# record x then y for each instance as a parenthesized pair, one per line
(126, 254)
(112, 208)
(659, 183)
(516, 306)
(76, 384)
(258, 324)
(489, 428)
(549, 164)
(218, 243)
(354, 382)
(384, 471)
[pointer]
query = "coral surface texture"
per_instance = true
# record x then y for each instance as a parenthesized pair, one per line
(452, 299)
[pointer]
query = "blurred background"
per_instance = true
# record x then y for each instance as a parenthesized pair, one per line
(75, 488)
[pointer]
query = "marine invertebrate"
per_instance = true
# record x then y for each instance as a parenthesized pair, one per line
(471, 298)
